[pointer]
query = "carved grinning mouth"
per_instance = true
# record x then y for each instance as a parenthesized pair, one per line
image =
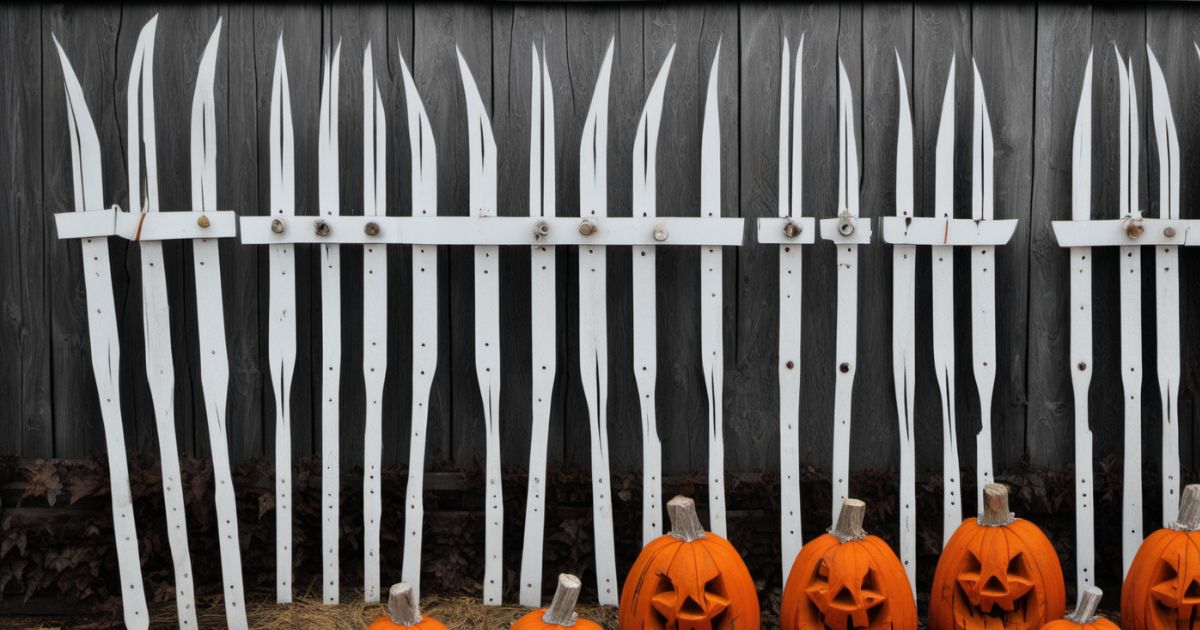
(993, 605)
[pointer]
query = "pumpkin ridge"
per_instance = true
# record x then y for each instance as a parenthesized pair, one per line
(670, 546)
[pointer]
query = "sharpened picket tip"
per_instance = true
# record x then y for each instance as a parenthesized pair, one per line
(402, 607)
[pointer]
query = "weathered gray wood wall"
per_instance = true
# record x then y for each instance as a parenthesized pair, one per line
(1031, 57)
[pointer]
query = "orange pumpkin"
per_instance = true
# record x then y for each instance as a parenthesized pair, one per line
(847, 579)
(561, 613)
(688, 579)
(1162, 589)
(996, 572)
(403, 613)
(1085, 616)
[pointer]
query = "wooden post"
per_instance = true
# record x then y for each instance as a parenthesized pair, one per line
(850, 521)
(402, 607)
(1089, 601)
(685, 523)
(562, 608)
(995, 506)
(1189, 510)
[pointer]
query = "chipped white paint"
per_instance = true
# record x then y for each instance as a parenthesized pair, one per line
(482, 146)
(904, 343)
(543, 339)
(846, 347)
(104, 343)
(942, 259)
(1166, 284)
(790, 186)
(645, 334)
(593, 319)
(214, 355)
(425, 324)
(331, 332)
(281, 316)
(983, 285)
(156, 314)
(712, 337)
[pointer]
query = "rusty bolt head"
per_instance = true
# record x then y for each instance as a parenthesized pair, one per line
(588, 227)
(1133, 228)
(321, 227)
(846, 227)
(371, 229)
(202, 221)
(1169, 232)
(660, 232)
(1082, 366)
(791, 229)
(542, 229)
(843, 368)
(790, 365)
(277, 226)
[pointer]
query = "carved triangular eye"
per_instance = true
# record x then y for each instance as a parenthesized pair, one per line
(1016, 565)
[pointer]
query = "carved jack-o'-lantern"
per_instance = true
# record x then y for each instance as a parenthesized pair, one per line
(996, 572)
(688, 579)
(1084, 617)
(1162, 590)
(561, 613)
(403, 613)
(846, 580)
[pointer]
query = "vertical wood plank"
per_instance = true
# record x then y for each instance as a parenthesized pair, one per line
(88, 34)
(25, 403)
(1004, 46)
(1172, 32)
(244, 268)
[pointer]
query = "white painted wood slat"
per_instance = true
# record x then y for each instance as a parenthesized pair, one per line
(712, 338)
(214, 354)
(104, 343)
(328, 194)
(790, 186)
(543, 335)
(423, 153)
(156, 314)
(281, 318)
(593, 324)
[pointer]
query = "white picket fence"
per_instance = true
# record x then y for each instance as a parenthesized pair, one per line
(592, 231)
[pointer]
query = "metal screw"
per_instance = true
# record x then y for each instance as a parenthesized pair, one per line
(790, 365)
(202, 221)
(1169, 232)
(277, 226)
(321, 227)
(588, 227)
(371, 229)
(846, 227)
(1082, 366)
(843, 368)
(791, 229)
(1133, 228)
(660, 232)
(542, 230)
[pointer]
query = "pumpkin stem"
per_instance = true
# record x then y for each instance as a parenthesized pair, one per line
(562, 609)
(850, 521)
(402, 608)
(1189, 510)
(1089, 601)
(995, 506)
(685, 524)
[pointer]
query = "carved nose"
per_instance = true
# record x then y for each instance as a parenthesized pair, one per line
(844, 599)
(994, 587)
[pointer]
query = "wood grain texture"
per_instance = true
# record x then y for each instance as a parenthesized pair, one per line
(25, 403)
(1031, 59)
